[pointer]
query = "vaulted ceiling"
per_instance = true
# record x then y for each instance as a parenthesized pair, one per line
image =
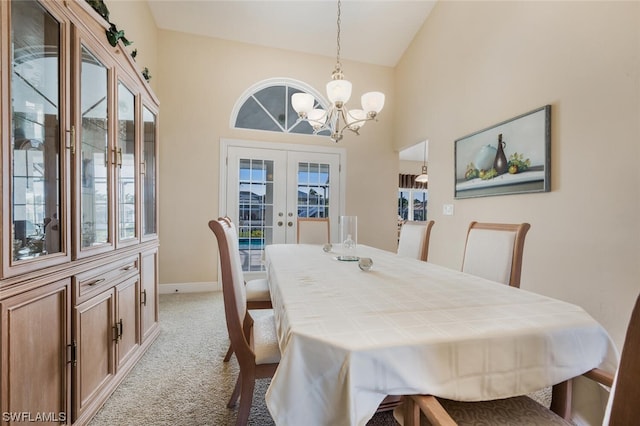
(372, 31)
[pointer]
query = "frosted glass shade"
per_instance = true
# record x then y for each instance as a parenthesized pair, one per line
(373, 102)
(353, 117)
(317, 117)
(423, 178)
(302, 103)
(339, 91)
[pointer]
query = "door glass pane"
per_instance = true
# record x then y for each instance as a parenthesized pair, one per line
(35, 147)
(255, 215)
(313, 190)
(419, 205)
(94, 136)
(126, 164)
(403, 205)
(412, 204)
(149, 178)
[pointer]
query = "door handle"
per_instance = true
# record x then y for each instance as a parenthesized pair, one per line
(289, 223)
(280, 223)
(72, 140)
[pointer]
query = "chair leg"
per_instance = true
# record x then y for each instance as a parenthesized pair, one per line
(411, 412)
(235, 393)
(246, 398)
(227, 357)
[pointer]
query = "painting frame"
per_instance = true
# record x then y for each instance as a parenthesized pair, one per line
(527, 149)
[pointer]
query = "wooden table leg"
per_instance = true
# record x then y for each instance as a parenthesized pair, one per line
(561, 399)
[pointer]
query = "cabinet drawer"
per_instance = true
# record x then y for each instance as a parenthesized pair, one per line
(96, 280)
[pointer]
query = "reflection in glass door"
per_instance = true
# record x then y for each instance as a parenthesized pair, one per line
(267, 190)
(126, 160)
(253, 193)
(149, 222)
(94, 195)
(313, 189)
(35, 149)
(255, 210)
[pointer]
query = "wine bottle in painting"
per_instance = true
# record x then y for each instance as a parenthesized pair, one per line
(500, 162)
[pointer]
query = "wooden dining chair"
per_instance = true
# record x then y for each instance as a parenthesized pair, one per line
(258, 295)
(494, 251)
(623, 408)
(414, 239)
(254, 342)
(314, 230)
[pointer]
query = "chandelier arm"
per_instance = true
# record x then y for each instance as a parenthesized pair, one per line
(350, 125)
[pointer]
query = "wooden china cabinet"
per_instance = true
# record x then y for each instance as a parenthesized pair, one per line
(79, 240)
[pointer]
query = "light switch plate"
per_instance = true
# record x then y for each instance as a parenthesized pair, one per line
(447, 209)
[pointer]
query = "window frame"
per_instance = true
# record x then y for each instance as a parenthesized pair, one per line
(288, 83)
(410, 209)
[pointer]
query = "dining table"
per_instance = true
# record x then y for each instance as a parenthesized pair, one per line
(349, 337)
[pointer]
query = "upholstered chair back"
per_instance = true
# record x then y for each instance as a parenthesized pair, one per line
(494, 251)
(414, 239)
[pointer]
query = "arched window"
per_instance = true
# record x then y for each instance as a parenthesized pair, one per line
(267, 106)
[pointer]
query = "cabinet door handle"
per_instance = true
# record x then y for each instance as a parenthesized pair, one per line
(73, 360)
(117, 157)
(144, 298)
(96, 281)
(117, 331)
(72, 140)
(128, 267)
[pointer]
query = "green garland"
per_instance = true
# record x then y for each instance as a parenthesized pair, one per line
(113, 33)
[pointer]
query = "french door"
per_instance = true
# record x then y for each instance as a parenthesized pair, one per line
(268, 189)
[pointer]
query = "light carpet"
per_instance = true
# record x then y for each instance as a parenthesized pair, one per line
(181, 379)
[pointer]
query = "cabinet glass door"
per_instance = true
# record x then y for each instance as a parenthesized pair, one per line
(35, 148)
(149, 225)
(94, 136)
(126, 162)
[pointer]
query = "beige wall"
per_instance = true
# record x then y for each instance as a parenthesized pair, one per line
(200, 80)
(475, 64)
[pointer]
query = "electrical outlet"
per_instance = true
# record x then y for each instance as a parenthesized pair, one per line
(447, 209)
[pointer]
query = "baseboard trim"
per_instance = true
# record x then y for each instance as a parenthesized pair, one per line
(200, 287)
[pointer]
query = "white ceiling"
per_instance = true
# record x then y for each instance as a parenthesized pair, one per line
(372, 31)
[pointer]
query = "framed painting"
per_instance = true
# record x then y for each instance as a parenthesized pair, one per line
(511, 157)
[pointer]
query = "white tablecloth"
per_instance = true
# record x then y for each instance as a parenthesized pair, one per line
(349, 337)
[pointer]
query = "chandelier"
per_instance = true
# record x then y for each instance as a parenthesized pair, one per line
(424, 176)
(337, 118)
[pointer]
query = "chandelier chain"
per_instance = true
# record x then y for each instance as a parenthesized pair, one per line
(338, 64)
